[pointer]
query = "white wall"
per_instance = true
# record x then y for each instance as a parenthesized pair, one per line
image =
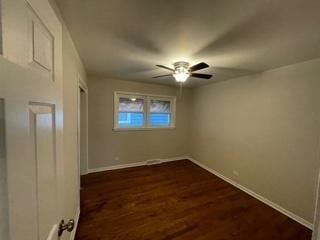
(73, 70)
(265, 127)
(108, 147)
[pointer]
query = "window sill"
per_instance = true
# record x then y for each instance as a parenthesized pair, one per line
(143, 129)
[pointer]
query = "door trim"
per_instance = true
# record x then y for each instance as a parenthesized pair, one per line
(82, 85)
(316, 221)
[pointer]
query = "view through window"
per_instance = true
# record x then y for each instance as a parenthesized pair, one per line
(139, 111)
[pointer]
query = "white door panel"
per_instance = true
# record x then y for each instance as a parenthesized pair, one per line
(21, 167)
(31, 86)
(31, 158)
(42, 133)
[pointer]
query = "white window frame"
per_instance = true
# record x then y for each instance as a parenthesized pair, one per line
(146, 109)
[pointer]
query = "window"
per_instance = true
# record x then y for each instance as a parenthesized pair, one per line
(160, 113)
(130, 112)
(141, 111)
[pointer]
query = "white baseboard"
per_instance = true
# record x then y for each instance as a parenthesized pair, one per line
(137, 164)
(255, 195)
(114, 167)
(76, 221)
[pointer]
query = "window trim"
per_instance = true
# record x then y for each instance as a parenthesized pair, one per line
(146, 110)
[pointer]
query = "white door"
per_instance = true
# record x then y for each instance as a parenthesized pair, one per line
(31, 89)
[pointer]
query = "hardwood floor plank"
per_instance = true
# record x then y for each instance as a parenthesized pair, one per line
(176, 200)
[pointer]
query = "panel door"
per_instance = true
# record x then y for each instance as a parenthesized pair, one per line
(31, 81)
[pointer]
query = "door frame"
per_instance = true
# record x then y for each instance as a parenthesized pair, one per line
(316, 221)
(82, 86)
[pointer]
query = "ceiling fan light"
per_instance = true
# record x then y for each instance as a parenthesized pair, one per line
(181, 74)
(181, 77)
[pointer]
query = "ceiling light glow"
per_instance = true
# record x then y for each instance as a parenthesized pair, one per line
(181, 74)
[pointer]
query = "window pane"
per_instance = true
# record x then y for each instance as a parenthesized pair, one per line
(128, 104)
(159, 119)
(130, 119)
(160, 113)
(130, 114)
(160, 106)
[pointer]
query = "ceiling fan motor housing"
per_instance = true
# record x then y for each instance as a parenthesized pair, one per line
(178, 66)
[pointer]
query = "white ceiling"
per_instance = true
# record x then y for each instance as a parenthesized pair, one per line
(125, 39)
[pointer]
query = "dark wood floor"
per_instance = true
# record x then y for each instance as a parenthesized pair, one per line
(176, 200)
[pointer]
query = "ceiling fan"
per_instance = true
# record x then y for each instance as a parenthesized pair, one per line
(182, 71)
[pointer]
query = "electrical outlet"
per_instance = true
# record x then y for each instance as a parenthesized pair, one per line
(236, 173)
(116, 158)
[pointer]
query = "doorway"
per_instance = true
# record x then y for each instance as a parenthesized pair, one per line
(82, 129)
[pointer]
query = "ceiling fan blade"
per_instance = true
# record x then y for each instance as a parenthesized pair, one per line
(201, 75)
(167, 75)
(198, 66)
(165, 67)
